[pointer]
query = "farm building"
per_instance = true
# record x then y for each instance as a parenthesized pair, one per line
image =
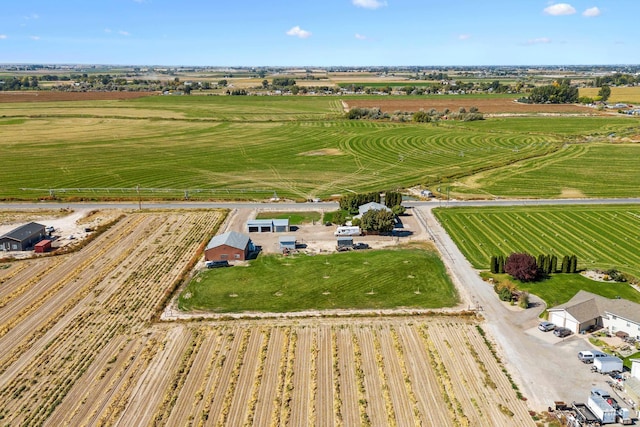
(632, 384)
(230, 246)
(23, 237)
(618, 316)
(268, 225)
(287, 243)
(42, 246)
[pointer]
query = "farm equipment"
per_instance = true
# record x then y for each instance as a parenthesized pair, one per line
(607, 409)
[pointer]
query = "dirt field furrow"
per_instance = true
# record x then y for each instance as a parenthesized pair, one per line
(220, 396)
(147, 394)
(77, 397)
(301, 399)
(182, 412)
(373, 382)
(423, 379)
(400, 398)
(246, 384)
(268, 385)
(325, 413)
(349, 408)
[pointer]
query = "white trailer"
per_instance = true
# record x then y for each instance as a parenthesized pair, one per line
(604, 365)
(601, 409)
(348, 231)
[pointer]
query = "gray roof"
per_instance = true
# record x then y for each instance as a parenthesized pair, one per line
(585, 306)
(24, 231)
(372, 206)
(260, 222)
(286, 239)
(231, 238)
(281, 222)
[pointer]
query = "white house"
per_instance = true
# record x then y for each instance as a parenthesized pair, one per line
(586, 309)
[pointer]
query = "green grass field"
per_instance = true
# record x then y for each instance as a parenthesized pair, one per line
(295, 218)
(214, 147)
(601, 236)
(374, 279)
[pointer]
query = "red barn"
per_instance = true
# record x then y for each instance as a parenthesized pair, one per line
(230, 246)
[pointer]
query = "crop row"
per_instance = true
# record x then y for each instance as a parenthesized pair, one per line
(381, 372)
(601, 237)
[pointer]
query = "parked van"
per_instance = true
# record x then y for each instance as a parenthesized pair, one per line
(587, 356)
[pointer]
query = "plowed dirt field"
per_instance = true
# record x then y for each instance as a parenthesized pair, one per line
(49, 96)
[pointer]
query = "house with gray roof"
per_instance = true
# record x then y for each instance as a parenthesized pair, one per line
(230, 246)
(22, 238)
(618, 316)
(371, 206)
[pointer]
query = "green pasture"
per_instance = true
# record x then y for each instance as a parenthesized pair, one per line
(370, 279)
(294, 217)
(601, 236)
(228, 148)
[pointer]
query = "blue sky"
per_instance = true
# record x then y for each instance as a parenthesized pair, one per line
(321, 33)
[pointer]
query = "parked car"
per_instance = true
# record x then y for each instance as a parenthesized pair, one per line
(546, 326)
(360, 246)
(562, 332)
(217, 264)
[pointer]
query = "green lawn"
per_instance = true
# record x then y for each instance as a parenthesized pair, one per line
(602, 236)
(295, 217)
(370, 279)
(560, 288)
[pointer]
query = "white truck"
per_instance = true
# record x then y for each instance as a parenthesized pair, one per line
(347, 231)
(607, 409)
(604, 365)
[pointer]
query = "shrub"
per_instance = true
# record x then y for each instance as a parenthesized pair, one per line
(522, 266)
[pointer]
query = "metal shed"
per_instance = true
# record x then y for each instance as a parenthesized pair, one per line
(268, 225)
(287, 242)
(345, 242)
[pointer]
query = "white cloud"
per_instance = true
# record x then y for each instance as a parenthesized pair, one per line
(369, 4)
(560, 9)
(464, 36)
(539, 40)
(107, 30)
(592, 12)
(35, 38)
(298, 32)
(360, 37)
(3, 36)
(124, 33)
(32, 16)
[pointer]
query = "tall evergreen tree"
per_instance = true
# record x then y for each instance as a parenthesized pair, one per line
(494, 264)
(565, 264)
(573, 264)
(554, 264)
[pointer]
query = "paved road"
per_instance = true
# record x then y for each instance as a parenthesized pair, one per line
(545, 367)
(307, 206)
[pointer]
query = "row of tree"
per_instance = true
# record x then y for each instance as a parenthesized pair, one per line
(422, 116)
(561, 92)
(351, 202)
(527, 268)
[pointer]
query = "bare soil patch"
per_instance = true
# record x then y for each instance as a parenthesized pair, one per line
(484, 105)
(49, 96)
(323, 152)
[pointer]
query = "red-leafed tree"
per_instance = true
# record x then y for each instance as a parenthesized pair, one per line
(522, 267)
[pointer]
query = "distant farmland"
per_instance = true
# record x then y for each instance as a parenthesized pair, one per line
(234, 147)
(601, 236)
